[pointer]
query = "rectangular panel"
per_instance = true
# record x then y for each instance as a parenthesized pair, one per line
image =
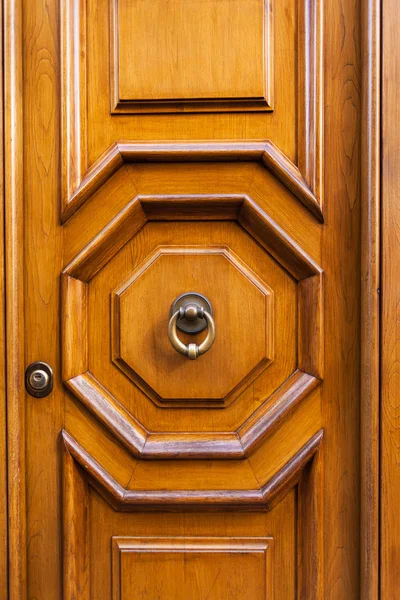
(197, 568)
(190, 51)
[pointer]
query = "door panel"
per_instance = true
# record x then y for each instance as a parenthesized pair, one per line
(182, 153)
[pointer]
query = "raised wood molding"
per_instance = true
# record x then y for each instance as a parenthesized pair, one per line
(266, 153)
(121, 499)
(239, 444)
(76, 276)
(253, 280)
(191, 105)
(370, 308)
(80, 179)
(310, 107)
(14, 281)
(261, 547)
(81, 472)
(3, 354)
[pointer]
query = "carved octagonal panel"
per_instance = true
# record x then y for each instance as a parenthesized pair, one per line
(139, 324)
(244, 322)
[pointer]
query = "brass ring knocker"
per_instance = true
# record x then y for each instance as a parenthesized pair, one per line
(191, 312)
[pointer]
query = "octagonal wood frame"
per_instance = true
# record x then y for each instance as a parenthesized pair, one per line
(250, 376)
(82, 473)
(80, 178)
(108, 410)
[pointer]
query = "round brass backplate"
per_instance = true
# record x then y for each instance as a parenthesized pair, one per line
(39, 379)
(191, 299)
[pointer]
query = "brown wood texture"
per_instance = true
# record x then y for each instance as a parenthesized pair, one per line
(370, 298)
(297, 50)
(14, 315)
(390, 188)
(3, 365)
(140, 460)
(342, 219)
(195, 566)
(189, 36)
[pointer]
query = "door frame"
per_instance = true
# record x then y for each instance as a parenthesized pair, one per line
(370, 298)
(12, 431)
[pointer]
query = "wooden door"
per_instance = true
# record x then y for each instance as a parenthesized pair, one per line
(166, 147)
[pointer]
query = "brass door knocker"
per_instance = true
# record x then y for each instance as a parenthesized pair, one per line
(191, 313)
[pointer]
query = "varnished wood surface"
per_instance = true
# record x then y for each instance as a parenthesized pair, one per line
(390, 182)
(268, 154)
(14, 315)
(234, 83)
(341, 249)
(370, 298)
(42, 250)
(281, 460)
(3, 384)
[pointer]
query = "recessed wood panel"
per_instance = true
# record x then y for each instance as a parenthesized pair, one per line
(241, 310)
(190, 51)
(195, 568)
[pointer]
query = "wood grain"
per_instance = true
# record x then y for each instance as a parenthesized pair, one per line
(370, 298)
(75, 531)
(223, 445)
(252, 181)
(122, 499)
(240, 352)
(229, 79)
(268, 154)
(42, 265)
(14, 314)
(389, 376)
(3, 367)
(310, 113)
(74, 323)
(277, 524)
(341, 250)
(219, 567)
(304, 33)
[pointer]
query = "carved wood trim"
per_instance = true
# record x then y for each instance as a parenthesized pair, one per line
(304, 179)
(109, 411)
(74, 96)
(76, 572)
(121, 499)
(219, 445)
(278, 407)
(74, 326)
(310, 107)
(370, 413)
(13, 187)
(234, 260)
(118, 106)
(218, 545)
(266, 154)
(81, 471)
(232, 207)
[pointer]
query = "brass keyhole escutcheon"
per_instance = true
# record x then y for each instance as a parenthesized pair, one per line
(39, 379)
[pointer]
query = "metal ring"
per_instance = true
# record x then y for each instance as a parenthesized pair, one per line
(192, 351)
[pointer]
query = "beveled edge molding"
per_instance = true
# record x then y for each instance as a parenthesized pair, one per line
(81, 470)
(370, 394)
(13, 189)
(77, 378)
(125, 500)
(266, 153)
(147, 445)
(121, 545)
(246, 272)
(310, 109)
(79, 180)
(192, 105)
